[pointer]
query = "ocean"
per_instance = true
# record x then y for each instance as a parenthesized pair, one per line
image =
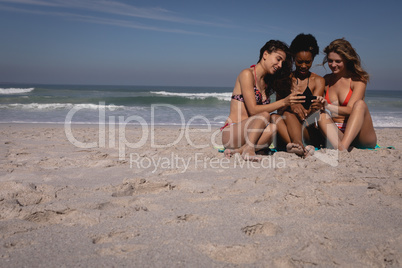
(157, 105)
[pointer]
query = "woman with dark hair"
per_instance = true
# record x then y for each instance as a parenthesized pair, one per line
(248, 128)
(348, 121)
(304, 48)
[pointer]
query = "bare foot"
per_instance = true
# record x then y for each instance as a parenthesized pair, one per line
(228, 153)
(309, 150)
(295, 148)
(342, 147)
(252, 158)
(248, 154)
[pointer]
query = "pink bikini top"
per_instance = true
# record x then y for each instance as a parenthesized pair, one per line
(258, 95)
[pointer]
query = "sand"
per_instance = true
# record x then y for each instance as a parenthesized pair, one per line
(167, 198)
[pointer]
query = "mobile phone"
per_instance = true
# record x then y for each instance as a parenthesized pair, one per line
(307, 101)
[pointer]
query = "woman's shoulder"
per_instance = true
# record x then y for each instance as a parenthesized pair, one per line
(244, 81)
(314, 75)
(248, 72)
(246, 75)
(357, 80)
(317, 77)
(357, 83)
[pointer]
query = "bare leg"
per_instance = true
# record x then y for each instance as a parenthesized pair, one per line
(311, 135)
(266, 138)
(331, 131)
(294, 128)
(244, 136)
(360, 127)
(282, 129)
(248, 152)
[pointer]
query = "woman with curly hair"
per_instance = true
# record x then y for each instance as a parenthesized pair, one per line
(248, 128)
(348, 122)
(304, 48)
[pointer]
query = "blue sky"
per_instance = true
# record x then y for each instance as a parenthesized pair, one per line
(184, 43)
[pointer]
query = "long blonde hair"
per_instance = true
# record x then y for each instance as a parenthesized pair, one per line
(353, 64)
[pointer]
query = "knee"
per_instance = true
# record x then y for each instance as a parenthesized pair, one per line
(275, 118)
(324, 116)
(271, 128)
(265, 116)
(360, 105)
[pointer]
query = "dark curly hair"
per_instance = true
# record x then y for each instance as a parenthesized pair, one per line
(304, 42)
(280, 82)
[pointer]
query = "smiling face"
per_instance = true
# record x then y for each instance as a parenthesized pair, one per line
(336, 63)
(303, 62)
(273, 61)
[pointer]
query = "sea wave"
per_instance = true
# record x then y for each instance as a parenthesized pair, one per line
(59, 106)
(9, 91)
(386, 121)
(220, 96)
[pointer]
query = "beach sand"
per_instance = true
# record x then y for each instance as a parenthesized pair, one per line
(168, 198)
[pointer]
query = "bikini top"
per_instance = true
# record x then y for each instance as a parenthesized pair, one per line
(308, 82)
(307, 92)
(346, 101)
(257, 93)
(307, 88)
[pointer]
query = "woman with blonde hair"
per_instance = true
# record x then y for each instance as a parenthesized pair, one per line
(347, 121)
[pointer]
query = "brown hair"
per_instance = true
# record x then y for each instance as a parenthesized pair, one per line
(352, 60)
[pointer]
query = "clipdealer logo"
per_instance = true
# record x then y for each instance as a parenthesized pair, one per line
(199, 161)
(147, 131)
(329, 157)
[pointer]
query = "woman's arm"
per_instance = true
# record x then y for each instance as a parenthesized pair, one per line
(246, 81)
(317, 90)
(319, 86)
(358, 92)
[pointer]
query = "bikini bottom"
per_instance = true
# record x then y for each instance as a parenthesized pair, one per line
(341, 126)
(226, 125)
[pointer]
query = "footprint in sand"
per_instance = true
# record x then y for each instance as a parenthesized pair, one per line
(69, 217)
(187, 217)
(117, 243)
(140, 186)
(234, 254)
(17, 244)
(125, 250)
(267, 228)
(183, 219)
(17, 197)
(115, 236)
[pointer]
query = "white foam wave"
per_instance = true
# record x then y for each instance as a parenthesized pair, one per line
(9, 91)
(220, 96)
(386, 121)
(59, 106)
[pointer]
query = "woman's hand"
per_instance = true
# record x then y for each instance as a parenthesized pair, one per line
(321, 103)
(318, 104)
(299, 110)
(293, 98)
